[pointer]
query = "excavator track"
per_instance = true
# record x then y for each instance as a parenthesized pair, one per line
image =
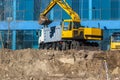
(67, 45)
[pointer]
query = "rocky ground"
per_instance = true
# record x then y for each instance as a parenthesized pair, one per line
(31, 64)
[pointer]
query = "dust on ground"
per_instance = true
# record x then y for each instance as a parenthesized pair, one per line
(31, 64)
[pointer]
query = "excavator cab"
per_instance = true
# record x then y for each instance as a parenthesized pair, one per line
(70, 29)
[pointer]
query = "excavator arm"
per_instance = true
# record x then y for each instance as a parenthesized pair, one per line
(74, 16)
(43, 20)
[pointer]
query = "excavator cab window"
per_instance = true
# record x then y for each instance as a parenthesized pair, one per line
(68, 26)
(65, 27)
(76, 25)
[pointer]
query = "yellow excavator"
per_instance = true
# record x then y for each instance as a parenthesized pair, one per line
(72, 33)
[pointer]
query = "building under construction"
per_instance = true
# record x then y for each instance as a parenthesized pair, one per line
(19, 19)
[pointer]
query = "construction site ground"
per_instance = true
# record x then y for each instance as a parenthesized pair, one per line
(34, 64)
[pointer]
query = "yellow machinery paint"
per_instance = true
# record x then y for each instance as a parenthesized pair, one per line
(115, 41)
(80, 32)
(115, 45)
(92, 33)
(68, 30)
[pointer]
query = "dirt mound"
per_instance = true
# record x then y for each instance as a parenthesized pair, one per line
(30, 64)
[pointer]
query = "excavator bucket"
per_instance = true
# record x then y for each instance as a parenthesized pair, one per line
(44, 20)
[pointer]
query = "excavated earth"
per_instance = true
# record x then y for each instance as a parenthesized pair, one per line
(31, 64)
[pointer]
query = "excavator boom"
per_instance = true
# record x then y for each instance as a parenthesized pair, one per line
(74, 16)
(43, 20)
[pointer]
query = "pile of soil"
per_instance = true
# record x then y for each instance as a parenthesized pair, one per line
(31, 64)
